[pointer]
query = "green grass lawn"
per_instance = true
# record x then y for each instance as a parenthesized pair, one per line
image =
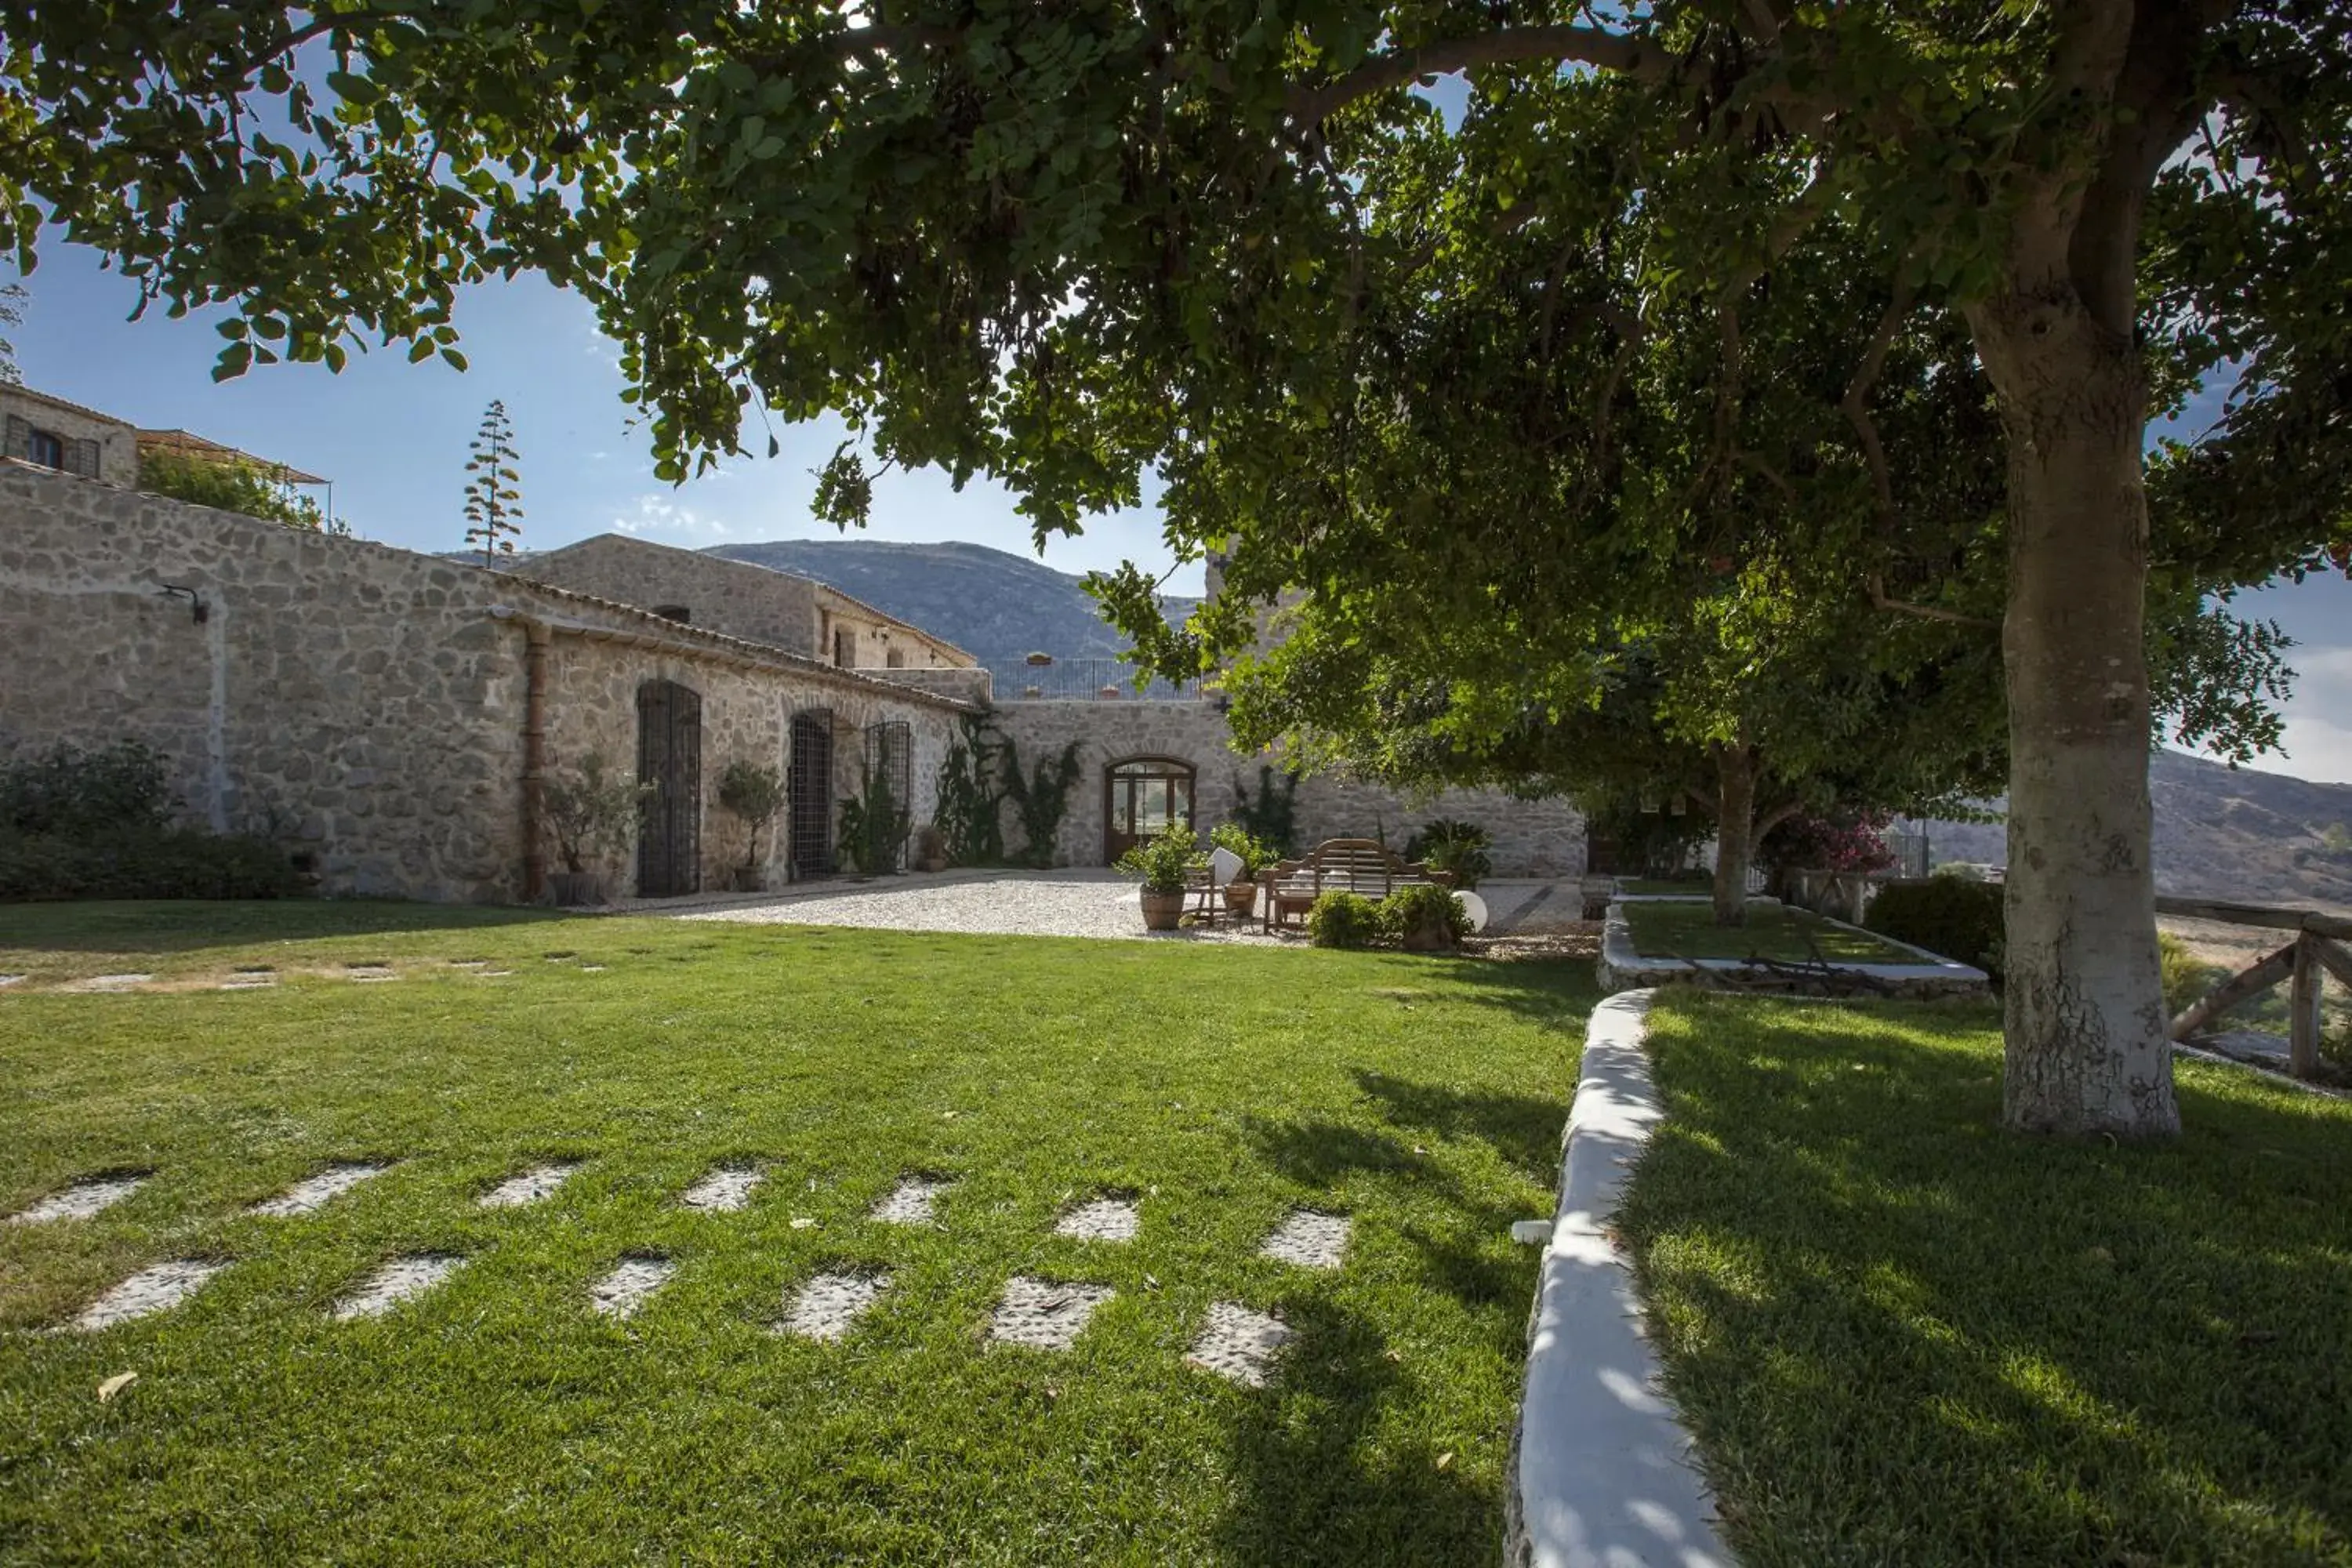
(498, 1419)
(1904, 1336)
(1682, 930)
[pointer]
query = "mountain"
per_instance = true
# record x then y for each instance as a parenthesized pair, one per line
(2220, 833)
(987, 602)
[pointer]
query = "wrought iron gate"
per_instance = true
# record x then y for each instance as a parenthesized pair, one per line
(890, 764)
(808, 794)
(670, 758)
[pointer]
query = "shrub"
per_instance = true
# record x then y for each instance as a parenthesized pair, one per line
(588, 812)
(1162, 861)
(66, 790)
(1343, 920)
(2187, 977)
(1424, 918)
(1459, 847)
(145, 863)
(753, 794)
(1944, 914)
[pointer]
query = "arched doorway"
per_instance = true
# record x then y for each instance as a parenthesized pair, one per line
(1140, 796)
(670, 758)
(808, 794)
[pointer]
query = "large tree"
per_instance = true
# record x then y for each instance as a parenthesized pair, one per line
(1063, 243)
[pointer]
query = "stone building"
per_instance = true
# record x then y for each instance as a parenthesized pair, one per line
(50, 433)
(796, 613)
(394, 716)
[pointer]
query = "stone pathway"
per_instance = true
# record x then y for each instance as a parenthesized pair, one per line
(316, 1192)
(1309, 1240)
(1236, 1342)
(529, 1186)
(631, 1285)
(910, 1201)
(89, 1196)
(1105, 1219)
(1042, 1314)
(725, 1190)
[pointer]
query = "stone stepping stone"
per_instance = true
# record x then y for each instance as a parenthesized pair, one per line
(316, 1192)
(469, 964)
(830, 1305)
(910, 1201)
(395, 1282)
(630, 1285)
(527, 1187)
(249, 983)
(8, 980)
(1104, 1219)
(1309, 1239)
(367, 972)
(89, 1196)
(1238, 1344)
(724, 1189)
(1045, 1314)
(148, 1292)
(98, 982)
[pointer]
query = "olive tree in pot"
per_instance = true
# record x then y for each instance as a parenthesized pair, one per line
(1163, 861)
(589, 815)
(753, 794)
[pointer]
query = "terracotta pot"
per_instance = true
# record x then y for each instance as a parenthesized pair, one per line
(935, 864)
(1163, 911)
(1241, 897)
(750, 878)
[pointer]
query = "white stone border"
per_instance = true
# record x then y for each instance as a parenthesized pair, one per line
(1622, 966)
(1602, 1475)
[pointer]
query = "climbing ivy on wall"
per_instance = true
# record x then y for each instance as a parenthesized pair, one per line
(1042, 797)
(970, 812)
(1272, 814)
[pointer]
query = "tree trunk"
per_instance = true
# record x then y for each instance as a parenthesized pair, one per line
(2085, 1039)
(1735, 837)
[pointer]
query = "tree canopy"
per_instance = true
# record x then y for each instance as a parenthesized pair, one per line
(1072, 245)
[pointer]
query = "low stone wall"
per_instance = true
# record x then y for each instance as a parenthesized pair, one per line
(364, 704)
(1622, 967)
(972, 685)
(1532, 838)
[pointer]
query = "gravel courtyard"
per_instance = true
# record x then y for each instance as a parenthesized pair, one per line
(1082, 902)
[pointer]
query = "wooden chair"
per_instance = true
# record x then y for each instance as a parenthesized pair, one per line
(1363, 866)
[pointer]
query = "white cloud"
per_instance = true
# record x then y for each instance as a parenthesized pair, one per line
(660, 514)
(2319, 716)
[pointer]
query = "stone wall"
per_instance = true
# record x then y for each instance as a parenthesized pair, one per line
(972, 685)
(362, 703)
(117, 440)
(730, 596)
(1532, 837)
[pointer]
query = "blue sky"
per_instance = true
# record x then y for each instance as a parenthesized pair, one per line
(393, 436)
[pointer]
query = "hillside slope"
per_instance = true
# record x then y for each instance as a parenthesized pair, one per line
(987, 602)
(2220, 832)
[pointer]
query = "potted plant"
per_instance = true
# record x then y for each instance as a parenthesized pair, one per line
(1458, 849)
(588, 814)
(1163, 861)
(1257, 855)
(753, 794)
(930, 848)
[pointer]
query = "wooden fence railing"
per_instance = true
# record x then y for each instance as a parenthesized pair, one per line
(2316, 947)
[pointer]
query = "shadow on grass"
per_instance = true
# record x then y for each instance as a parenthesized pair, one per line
(190, 925)
(1901, 1334)
(1315, 1484)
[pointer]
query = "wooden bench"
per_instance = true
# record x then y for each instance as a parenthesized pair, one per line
(1363, 866)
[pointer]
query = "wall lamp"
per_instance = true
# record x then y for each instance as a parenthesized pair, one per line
(198, 610)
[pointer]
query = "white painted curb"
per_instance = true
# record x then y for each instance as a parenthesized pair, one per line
(1602, 1476)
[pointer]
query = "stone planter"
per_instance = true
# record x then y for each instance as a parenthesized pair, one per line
(749, 878)
(576, 890)
(1428, 936)
(934, 866)
(1163, 911)
(1240, 899)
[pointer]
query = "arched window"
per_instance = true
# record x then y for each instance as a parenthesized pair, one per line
(1140, 796)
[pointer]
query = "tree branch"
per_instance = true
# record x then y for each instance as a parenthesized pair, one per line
(1857, 405)
(1309, 105)
(1876, 584)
